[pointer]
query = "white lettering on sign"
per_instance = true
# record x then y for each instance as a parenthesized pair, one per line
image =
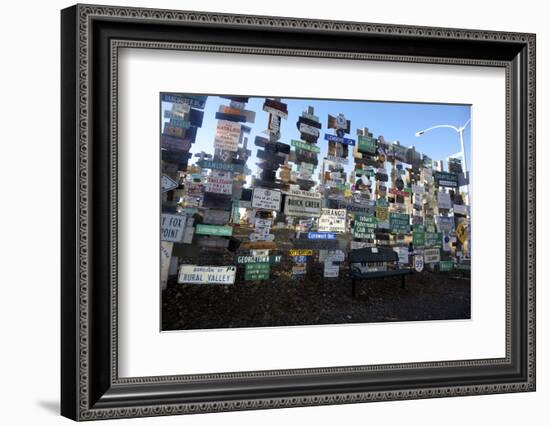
(333, 220)
(431, 255)
(172, 227)
(219, 182)
(193, 274)
(228, 134)
(418, 263)
(309, 130)
(266, 199)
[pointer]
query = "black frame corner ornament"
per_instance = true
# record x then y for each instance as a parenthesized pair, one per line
(91, 37)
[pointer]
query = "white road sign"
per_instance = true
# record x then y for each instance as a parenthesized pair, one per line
(266, 199)
(193, 274)
(172, 227)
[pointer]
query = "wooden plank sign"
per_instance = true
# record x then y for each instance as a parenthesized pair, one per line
(266, 199)
(228, 134)
(172, 227)
(193, 274)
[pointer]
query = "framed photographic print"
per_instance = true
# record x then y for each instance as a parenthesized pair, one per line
(264, 212)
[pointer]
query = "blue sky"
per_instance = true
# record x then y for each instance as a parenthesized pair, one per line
(395, 121)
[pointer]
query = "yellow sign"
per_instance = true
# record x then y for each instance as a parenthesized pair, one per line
(461, 233)
(302, 252)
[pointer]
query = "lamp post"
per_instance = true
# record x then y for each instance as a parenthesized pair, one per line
(460, 131)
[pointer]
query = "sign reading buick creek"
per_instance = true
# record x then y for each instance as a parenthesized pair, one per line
(302, 206)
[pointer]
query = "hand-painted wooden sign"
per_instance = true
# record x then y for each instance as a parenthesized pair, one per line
(167, 183)
(193, 274)
(172, 227)
(219, 182)
(257, 271)
(228, 134)
(333, 220)
(217, 230)
(266, 199)
(229, 167)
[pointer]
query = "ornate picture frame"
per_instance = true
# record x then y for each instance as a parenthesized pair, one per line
(91, 37)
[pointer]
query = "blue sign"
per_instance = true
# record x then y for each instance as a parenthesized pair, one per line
(299, 259)
(334, 138)
(321, 235)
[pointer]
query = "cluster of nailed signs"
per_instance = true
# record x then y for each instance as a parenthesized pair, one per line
(394, 197)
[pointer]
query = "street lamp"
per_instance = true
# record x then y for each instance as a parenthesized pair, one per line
(460, 131)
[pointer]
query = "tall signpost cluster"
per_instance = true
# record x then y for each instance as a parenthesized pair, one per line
(180, 122)
(391, 196)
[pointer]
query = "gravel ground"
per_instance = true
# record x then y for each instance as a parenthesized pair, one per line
(284, 301)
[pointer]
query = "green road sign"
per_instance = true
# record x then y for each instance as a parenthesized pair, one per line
(419, 238)
(433, 239)
(305, 146)
(366, 144)
(399, 222)
(446, 265)
(364, 226)
(220, 231)
(257, 271)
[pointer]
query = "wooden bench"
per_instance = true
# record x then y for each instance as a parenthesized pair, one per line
(363, 265)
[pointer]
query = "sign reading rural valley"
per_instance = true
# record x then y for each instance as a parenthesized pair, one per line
(333, 220)
(193, 274)
(172, 227)
(266, 199)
